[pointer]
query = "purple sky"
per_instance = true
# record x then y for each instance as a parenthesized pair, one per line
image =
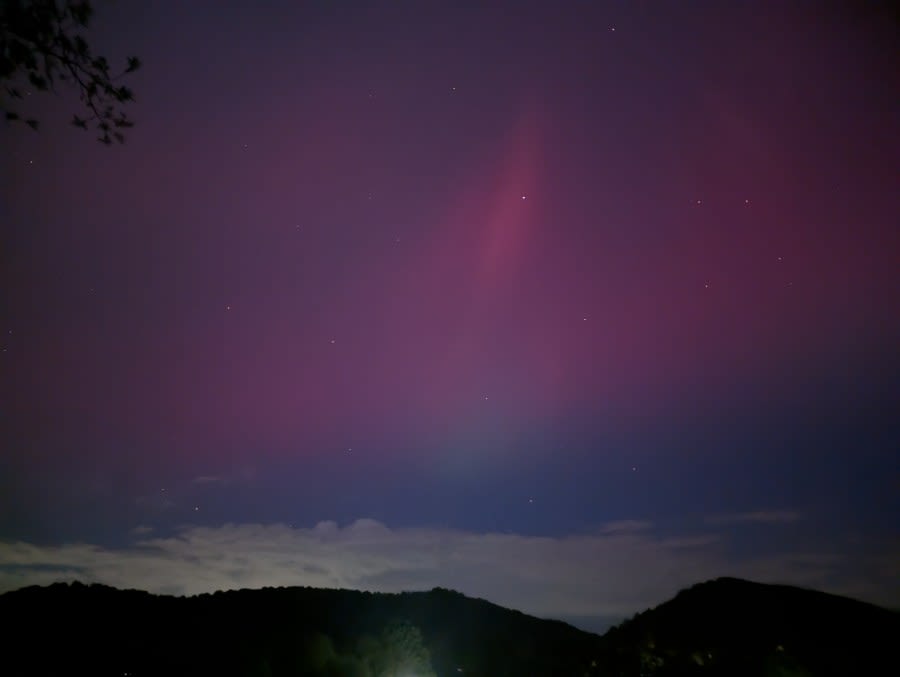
(615, 282)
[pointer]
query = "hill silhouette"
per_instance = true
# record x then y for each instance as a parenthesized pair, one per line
(722, 627)
(99, 630)
(734, 627)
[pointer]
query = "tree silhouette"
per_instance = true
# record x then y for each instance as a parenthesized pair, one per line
(41, 44)
(404, 651)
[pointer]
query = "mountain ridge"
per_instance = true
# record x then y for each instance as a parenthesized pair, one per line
(725, 626)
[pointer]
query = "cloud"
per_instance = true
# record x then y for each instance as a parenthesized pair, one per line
(613, 573)
(757, 517)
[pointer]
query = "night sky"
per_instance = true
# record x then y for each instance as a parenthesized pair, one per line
(566, 305)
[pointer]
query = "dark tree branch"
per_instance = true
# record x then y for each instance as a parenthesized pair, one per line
(40, 43)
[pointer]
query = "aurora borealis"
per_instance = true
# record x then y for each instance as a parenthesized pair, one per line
(548, 304)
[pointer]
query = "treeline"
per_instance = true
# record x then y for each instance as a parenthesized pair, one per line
(723, 628)
(275, 632)
(736, 628)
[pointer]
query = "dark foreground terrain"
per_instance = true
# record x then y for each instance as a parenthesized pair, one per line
(723, 627)
(738, 628)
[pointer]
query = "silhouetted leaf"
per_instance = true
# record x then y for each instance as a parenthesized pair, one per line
(38, 81)
(81, 12)
(81, 45)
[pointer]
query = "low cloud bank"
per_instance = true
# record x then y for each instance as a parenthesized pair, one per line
(616, 571)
